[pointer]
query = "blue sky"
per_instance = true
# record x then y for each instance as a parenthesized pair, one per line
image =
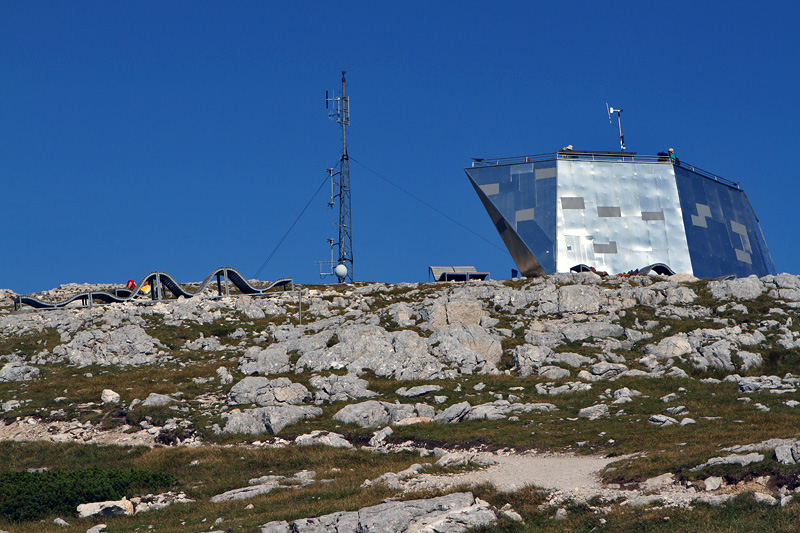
(183, 136)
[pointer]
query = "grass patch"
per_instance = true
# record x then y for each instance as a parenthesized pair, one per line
(26, 496)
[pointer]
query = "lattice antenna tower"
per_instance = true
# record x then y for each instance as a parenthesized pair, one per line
(339, 109)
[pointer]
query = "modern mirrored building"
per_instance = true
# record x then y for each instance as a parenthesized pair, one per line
(618, 212)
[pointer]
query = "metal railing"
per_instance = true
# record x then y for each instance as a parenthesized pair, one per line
(621, 157)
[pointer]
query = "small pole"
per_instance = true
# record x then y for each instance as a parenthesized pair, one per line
(300, 307)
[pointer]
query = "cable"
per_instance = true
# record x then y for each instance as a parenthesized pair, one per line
(423, 202)
(291, 227)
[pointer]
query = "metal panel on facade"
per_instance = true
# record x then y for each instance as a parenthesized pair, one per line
(525, 203)
(612, 233)
(618, 213)
(723, 235)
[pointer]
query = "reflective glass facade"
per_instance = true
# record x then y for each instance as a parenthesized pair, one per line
(617, 214)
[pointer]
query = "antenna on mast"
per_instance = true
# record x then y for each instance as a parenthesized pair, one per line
(341, 266)
(611, 111)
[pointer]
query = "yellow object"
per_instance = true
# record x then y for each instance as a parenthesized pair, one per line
(146, 288)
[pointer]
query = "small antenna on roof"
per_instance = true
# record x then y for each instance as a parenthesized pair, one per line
(611, 111)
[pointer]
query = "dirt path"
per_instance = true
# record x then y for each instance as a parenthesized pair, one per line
(549, 471)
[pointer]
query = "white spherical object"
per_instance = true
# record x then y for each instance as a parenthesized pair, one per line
(340, 271)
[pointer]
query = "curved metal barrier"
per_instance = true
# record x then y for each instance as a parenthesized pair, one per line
(159, 281)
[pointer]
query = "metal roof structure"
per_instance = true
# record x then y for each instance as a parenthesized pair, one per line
(455, 273)
(618, 212)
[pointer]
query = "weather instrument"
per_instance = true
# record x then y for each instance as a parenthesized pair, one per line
(611, 111)
(341, 263)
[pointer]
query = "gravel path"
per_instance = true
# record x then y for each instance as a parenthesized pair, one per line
(549, 471)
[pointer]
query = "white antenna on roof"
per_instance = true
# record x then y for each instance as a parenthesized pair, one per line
(610, 111)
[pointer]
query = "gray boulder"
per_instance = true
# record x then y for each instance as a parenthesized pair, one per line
(750, 384)
(739, 289)
(18, 372)
(453, 513)
(528, 358)
(662, 420)
(263, 391)
(325, 438)
(670, 347)
(578, 299)
(270, 419)
(454, 413)
(401, 313)
(648, 297)
(500, 409)
(369, 414)
(336, 388)
(399, 355)
(604, 370)
(784, 455)
(155, 400)
(121, 507)
(597, 330)
(128, 345)
(733, 459)
(264, 485)
(469, 348)
(271, 360)
(553, 372)
(572, 359)
(462, 310)
(750, 359)
(551, 389)
(594, 412)
(419, 390)
(680, 296)
(717, 355)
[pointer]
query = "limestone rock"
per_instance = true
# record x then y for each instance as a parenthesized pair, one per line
(379, 436)
(337, 388)
(326, 438)
(369, 414)
(18, 372)
(462, 310)
(528, 358)
(594, 412)
(662, 420)
(263, 391)
(109, 396)
(469, 347)
(121, 507)
(127, 345)
(596, 330)
(268, 419)
(553, 372)
(419, 390)
(454, 413)
(712, 483)
(271, 360)
(154, 399)
(445, 514)
(733, 459)
(225, 377)
(578, 299)
(766, 499)
(739, 288)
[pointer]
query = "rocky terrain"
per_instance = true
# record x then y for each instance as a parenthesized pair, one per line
(608, 395)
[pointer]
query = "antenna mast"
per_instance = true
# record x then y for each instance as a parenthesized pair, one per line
(340, 183)
(611, 110)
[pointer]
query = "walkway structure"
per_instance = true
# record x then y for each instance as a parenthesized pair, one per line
(159, 281)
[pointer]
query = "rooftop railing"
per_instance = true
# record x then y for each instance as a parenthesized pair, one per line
(621, 157)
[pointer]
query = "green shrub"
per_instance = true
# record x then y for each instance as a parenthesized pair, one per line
(26, 496)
